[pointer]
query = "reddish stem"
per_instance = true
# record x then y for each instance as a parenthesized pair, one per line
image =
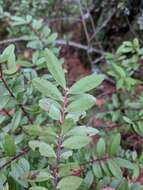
(64, 106)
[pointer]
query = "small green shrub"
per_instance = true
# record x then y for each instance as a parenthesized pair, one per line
(43, 145)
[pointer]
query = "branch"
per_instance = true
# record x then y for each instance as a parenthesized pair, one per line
(60, 42)
(79, 46)
(23, 152)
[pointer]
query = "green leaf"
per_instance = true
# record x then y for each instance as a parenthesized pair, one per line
(66, 155)
(82, 103)
(4, 101)
(123, 185)
(76, 142)
(24, 164)
(16, 120)
(9, 56)
(67, 125)
(136, 43)
(36, 130)
(87, 83)
(128, 120)
(55, 68)
(105, 168)
(66, 168)
(24, 63)
(136, 171)
(7, 52)
(100, 148)
(36, 44)
(18, 172)
(37, 188)
(52, 38)
(89, 178)
(39, 176)
(47, 88)
(97, 170)
(51, 107)
(114, 145)
(9, 145)
(115, 169)
(44, 148)
(83, 130)
(124, 163)
(119, 70)
(69, 183)
(17, 20)
(33, 130)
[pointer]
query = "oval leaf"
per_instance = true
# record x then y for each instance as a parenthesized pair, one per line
(9, 145)
(69, 183)
(87, 83)
(115, 169)
(100, 148)
(76, 142)
(38, 188)
(55, 68)
(83, 130)
(47, 88)
(39, 176)
(97, 170)
(83, 103)
(51, 107)
(114, 145)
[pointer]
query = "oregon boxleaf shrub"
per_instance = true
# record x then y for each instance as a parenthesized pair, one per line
(44, 144)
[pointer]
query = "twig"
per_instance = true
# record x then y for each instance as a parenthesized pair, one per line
(104, 24)
(80, 46)
(84, 23)
(7, 113)
(12, 40)
(23, 152)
